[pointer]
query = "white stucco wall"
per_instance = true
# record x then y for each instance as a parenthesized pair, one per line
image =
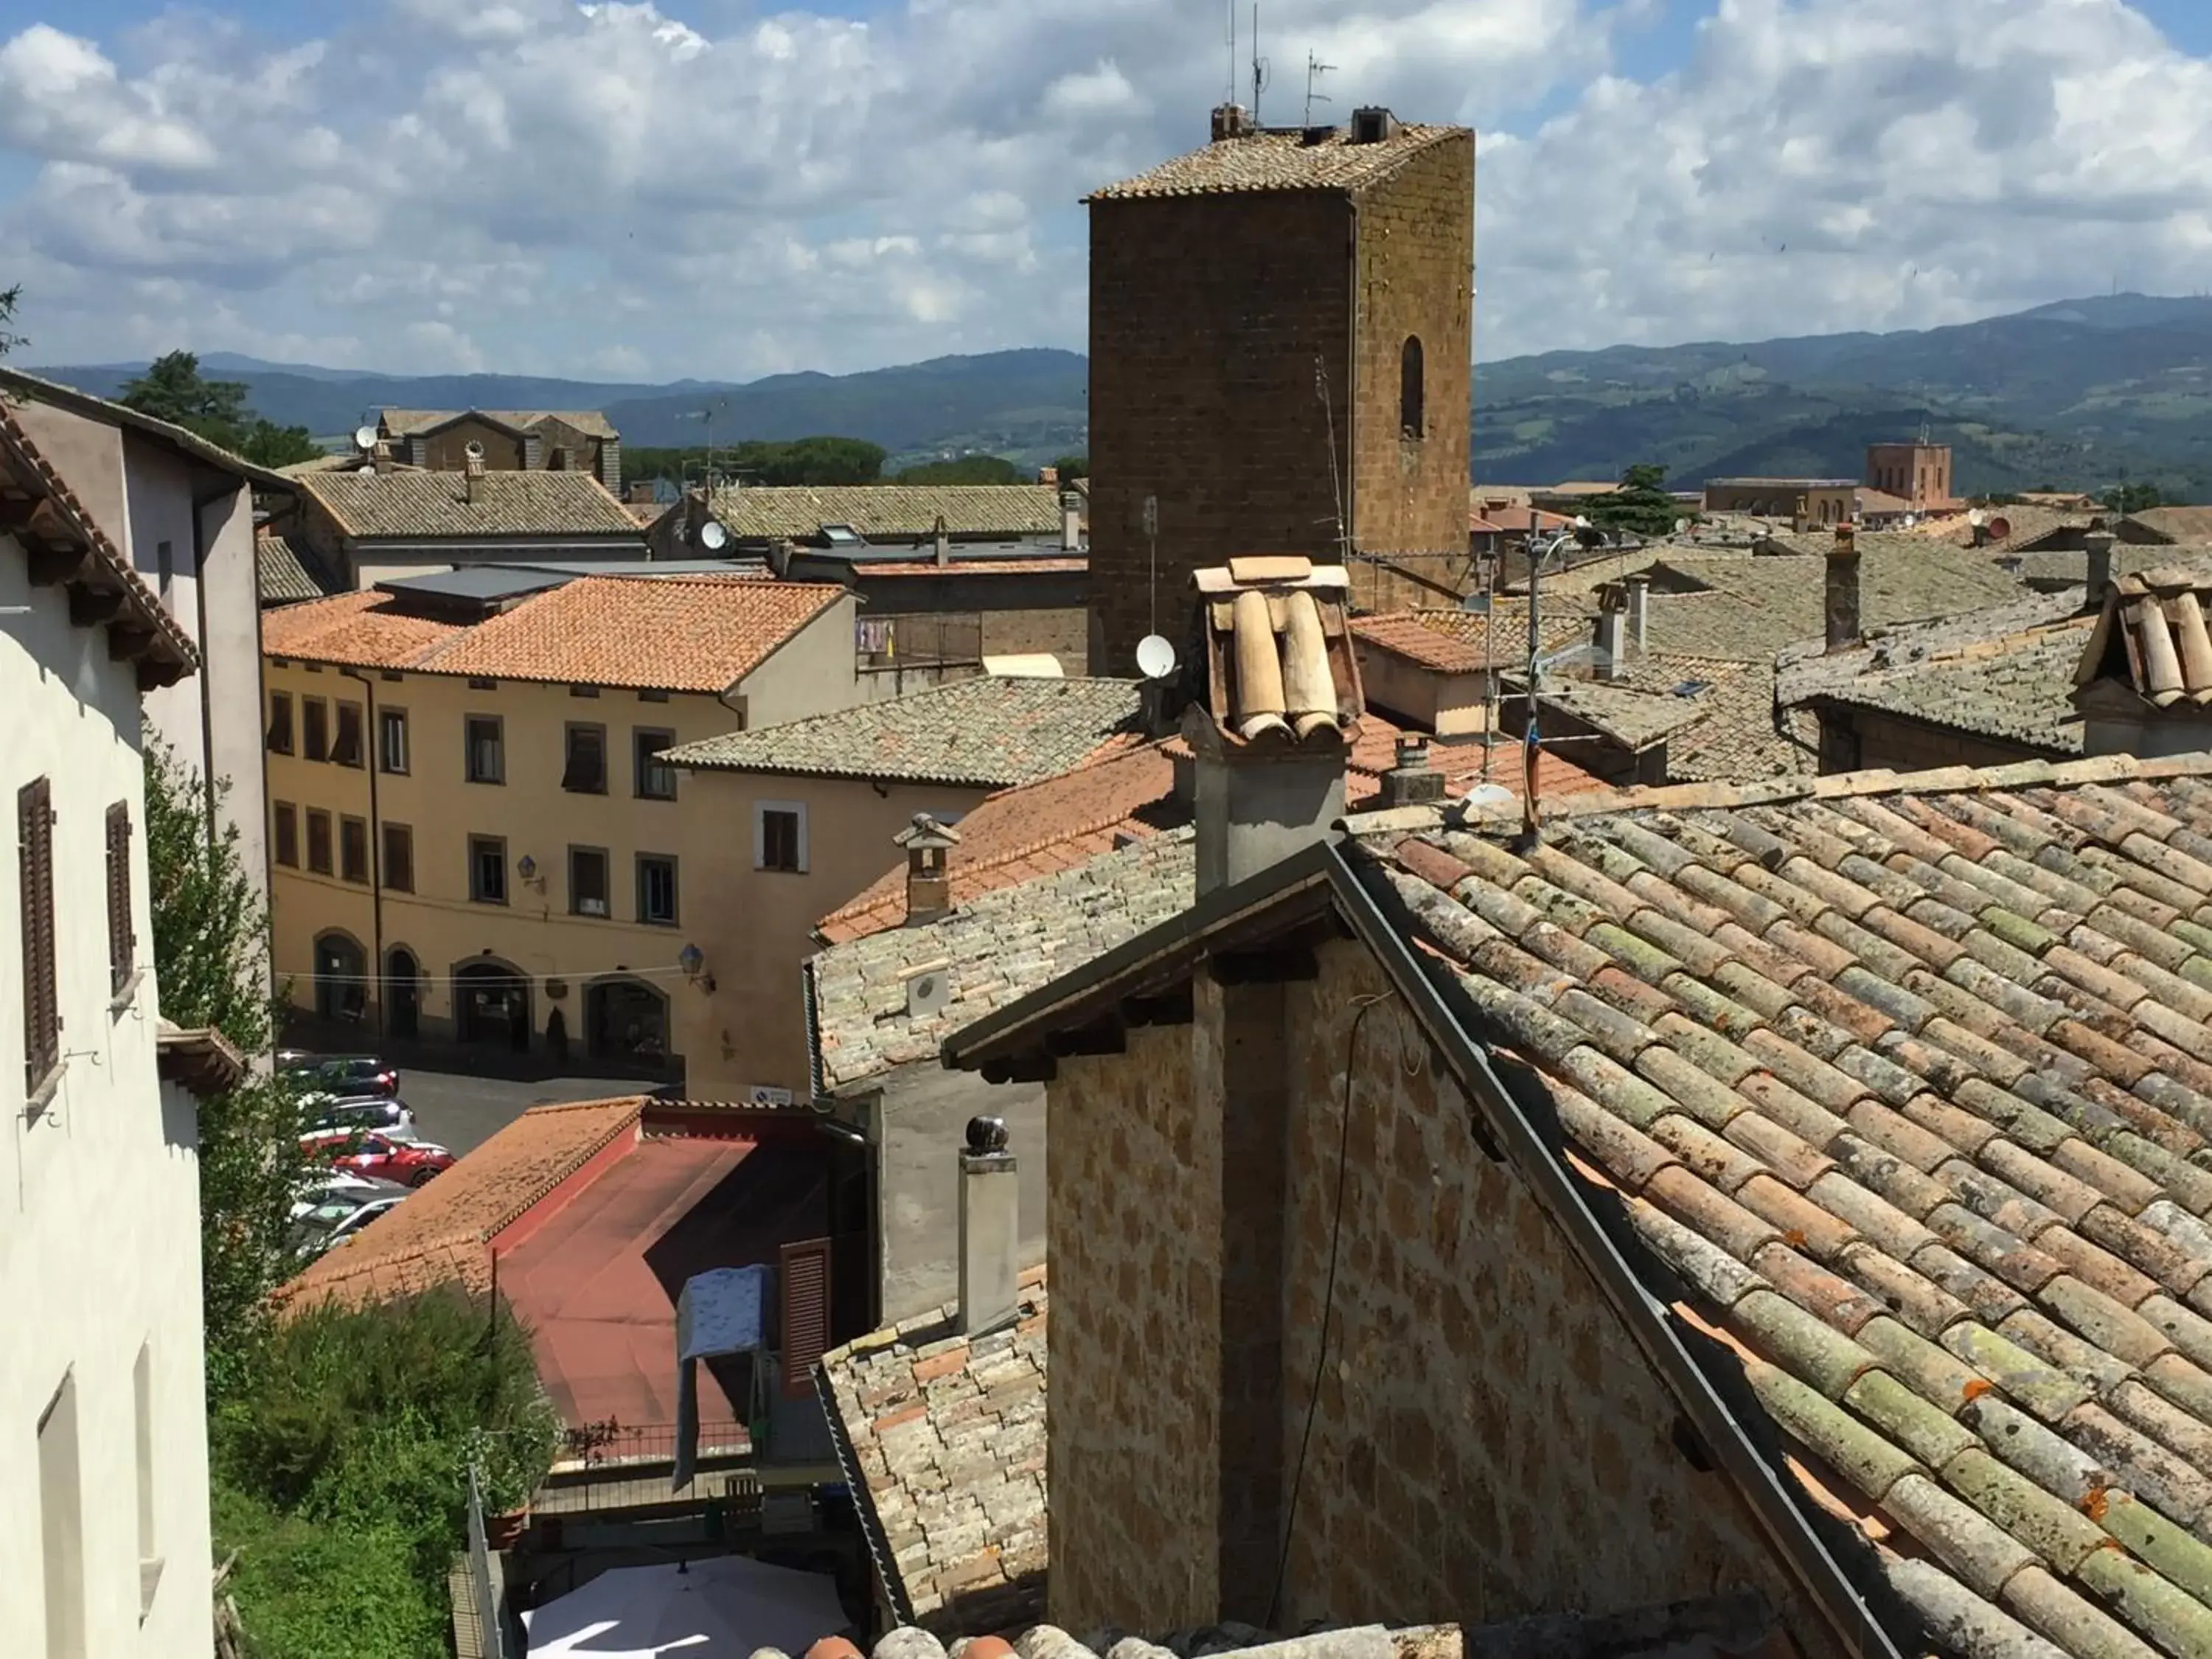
(99, 1226)
(810, 673)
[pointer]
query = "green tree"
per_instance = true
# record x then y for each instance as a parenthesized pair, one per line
(2132, 497)
(268, 444)
(1071, 467)
(821, 460)
(9, 298)
(968, 469)
(210, 949)
(1641, 505)
(172, 389)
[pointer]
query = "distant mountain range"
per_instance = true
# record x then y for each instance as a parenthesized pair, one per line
(2078, 394)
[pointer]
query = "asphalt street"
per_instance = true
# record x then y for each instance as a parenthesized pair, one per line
(460, 1112)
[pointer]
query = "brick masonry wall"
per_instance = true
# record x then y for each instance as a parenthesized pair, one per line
(1063, 633)
(1133, 1241)
(1207, 316)
(1416, 260)
(1488, 1440)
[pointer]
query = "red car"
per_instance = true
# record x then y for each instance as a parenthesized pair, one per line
(380, 1157)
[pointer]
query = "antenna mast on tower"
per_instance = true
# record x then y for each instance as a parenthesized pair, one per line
(1233, 51)
(1315, 70)
(1261, 77)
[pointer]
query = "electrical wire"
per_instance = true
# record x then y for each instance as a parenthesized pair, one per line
(1366, 1006)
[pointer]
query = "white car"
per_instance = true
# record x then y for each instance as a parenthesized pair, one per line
(343, 1210)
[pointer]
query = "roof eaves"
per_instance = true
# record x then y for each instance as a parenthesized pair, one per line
(36, 388)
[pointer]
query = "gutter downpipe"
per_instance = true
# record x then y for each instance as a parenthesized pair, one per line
(369, 757)
(1650, 1322)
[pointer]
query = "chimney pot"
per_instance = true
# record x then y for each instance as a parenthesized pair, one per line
(1373, 124)
(1071, 521)
(943, 542)
(1231, 121)
(1412, 782)
(928, 877)
(990, 1229)
(1639, 611)
(2099, 574)
(1843, 591)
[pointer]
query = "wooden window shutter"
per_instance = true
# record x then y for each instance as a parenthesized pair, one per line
(122, 942)
(804, 1283)
(42, 1019)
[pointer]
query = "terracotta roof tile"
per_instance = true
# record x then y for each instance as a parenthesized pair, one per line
(1280, 159)
(943, 1435)
(403, 422)
(442, 1234)
(411, 506)
(887, 512)
(675, 633)
(1933, 1162)
(989, 730)
(2152, 638)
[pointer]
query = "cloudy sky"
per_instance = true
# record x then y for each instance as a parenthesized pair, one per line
(717, 188)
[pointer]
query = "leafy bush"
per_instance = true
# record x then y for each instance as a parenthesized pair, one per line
(353, 1436)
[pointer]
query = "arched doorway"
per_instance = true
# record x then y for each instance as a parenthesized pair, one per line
(403, 993)
(491, 1004)
(625, 1019)
(341, 977)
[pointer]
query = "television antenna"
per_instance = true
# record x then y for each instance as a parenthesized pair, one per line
(1315, 70)
(1233, 51)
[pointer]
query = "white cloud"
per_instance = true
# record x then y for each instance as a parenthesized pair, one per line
(689, 187)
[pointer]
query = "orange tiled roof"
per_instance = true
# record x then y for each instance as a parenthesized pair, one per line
(1029, 830)
(442, 1234)
(676, 633)
(1405, 634)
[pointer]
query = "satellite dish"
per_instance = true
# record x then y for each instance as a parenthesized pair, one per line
(1978, 518)
(475, 451)
(364, 438)
(1155, 658)
(1581, 523)
(713, 537)
(1680, 525)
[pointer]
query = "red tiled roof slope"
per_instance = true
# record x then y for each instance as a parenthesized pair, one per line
(1909, 1081)
(1030, 831)
(674, 633)
(441, 1234)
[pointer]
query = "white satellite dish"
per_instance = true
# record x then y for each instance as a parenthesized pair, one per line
(1155, 658)
(1978, 518)
(1581, 523)
(713, 537)
(364, 438)
(1680, 525)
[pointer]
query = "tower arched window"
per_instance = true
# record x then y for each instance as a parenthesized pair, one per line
(1411, 423)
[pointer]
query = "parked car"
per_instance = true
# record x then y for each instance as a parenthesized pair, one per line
(319, 1186)
(342, 1212)
(351, 1075)
(386, 1115)
(382, 1157)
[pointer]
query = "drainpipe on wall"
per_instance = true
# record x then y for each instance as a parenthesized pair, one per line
(369, 757)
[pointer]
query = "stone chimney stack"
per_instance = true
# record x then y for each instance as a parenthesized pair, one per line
(2099, 574)
(1639, 612)
(1282, 709)
(1412, 782)
(379, 455)
(928, 881)
(943, 540)
(473, 469)
(990, 1229)
(1611, 639)
(1231, 121)
(1071, 521)
(1842, 590)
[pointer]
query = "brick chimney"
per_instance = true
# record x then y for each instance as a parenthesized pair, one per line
(1842, 590)
(1282, 709)
(1050, 476)
(928, 882)
(473, 469)
(1231, 121)
(2098, 543)
(990, 1229)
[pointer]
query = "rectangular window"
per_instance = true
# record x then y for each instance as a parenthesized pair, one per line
(122, 941)
(653, 694)
(779, 835)
(346, 751)
(487, 869)
(656, 778)
(583, 690)
(149, 1538)
(486, 743)
(586, 771)
(280, 722)
(61, 1525)
(42, 1011)
(353, 849)
(656, 889)
(318, 842)
(287, 817)
(588, 881)
(399, 870)
(391, 740)
(315, 717)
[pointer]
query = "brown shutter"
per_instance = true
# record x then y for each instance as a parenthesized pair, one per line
(42, 1020)
(803, 1283)
(122, 942)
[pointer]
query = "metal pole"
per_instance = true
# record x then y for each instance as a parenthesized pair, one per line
(1532, 741)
